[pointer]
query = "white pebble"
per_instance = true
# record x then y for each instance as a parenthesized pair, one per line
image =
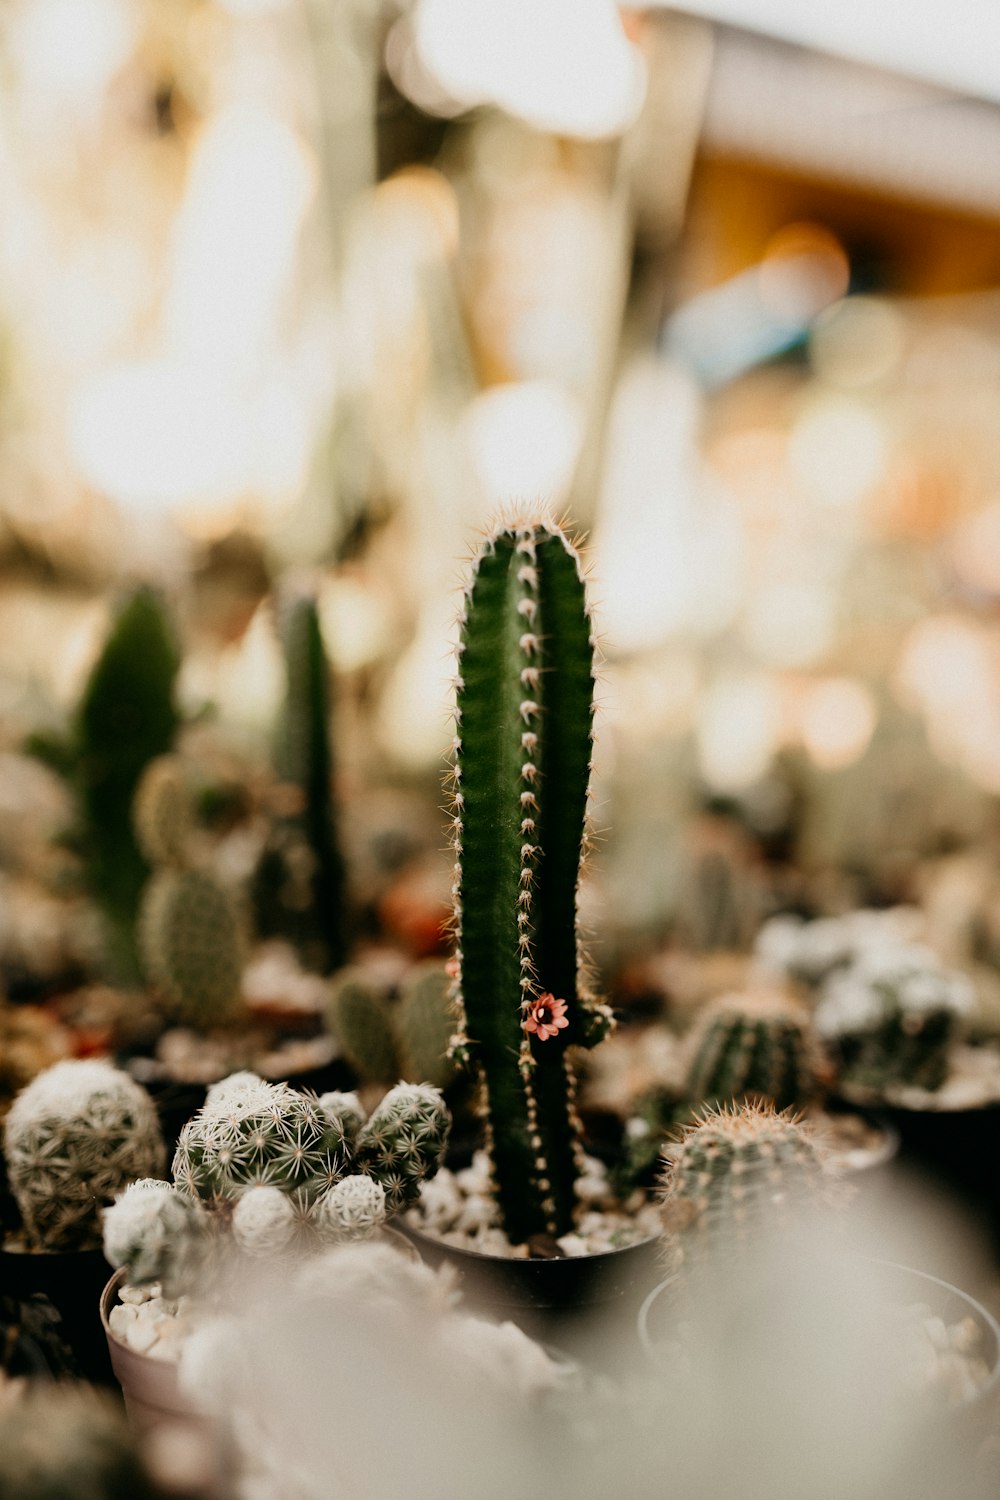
(140, 1336)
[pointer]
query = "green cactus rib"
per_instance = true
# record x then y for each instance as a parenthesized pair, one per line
(522, 773)
(305, 759)
(743, 1056)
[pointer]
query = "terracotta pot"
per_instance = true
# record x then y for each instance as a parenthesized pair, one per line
(71, 1281)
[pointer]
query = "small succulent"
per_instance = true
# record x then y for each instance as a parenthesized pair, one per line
(76, 1136)
(406, 1037)
(274, 1169)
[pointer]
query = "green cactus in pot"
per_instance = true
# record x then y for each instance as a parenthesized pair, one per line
(521, 781)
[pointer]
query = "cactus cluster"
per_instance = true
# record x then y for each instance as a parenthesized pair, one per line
(893, 1016)
(276, 1168)
(76, 1136)
(190, 932)
(299, 887)
(521, 782)
(734, 1172)
(407, 1037)
(126, 716)
(760, 1045)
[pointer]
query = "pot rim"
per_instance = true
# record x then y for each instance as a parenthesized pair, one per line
(982, 1315)
(487, 1258)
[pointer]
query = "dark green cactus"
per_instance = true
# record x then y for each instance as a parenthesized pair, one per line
(522, 771)
(425, 1022)
(126, 716)
(300, 883)
(753, 1046)
(360, 1019)
(735, 1171)
(403, 1141)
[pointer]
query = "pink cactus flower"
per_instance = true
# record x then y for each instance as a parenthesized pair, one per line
(547, 1017)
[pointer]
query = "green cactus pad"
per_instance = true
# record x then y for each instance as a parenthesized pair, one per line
(360, 1019)
(426, 1020)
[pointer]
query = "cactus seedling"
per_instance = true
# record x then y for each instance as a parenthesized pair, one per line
(74, 1138)
(521, 779)
(758, 1045)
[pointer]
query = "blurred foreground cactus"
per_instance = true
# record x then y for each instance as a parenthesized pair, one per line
(66, 1442)
(299, 885)
(76, 1136)
(276, 1168)
(521, 780)
(191, 937)
(127, 715)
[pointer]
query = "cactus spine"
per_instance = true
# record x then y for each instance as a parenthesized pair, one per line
(522, 771)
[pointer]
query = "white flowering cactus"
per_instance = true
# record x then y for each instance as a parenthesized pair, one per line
(76, 1136)
(790, 947)
(277, 1169)
(893, 1016)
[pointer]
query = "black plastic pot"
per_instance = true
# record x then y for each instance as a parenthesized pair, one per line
(72, 1282)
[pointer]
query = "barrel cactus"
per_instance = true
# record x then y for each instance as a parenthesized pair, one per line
(736, 1171)
(76, 1136)
(757, 1045)
(521, 782)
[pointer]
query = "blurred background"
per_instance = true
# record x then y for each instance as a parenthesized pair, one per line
(299, 287)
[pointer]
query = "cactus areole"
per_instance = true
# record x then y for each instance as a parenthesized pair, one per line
(521, 780)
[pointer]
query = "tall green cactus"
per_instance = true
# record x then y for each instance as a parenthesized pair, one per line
(522, 771)
(300, 884)
(127, 715)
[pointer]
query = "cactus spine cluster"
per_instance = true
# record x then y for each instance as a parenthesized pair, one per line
(521, 781)
(126, 716)
(753, 1046)
(190, 933)
(735, 1171)
(277, 1168)
(300, 883)
(76, 1136)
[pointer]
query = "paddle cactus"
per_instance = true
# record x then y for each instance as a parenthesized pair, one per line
(76, 1136)
(521, 781)
(360, 1019)
(758, 1045)
(406, 1037)
(425, 1023)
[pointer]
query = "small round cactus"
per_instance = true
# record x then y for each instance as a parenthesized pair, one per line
(191, 940)
(264, 1221)
(403, 1141)
(734, 1171)
(347, 1112)
(351, 1210)
(76, 1136)
(158, 1233)
(755, 1046)
(892, 1017)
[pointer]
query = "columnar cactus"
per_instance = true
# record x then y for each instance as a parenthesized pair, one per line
(126, 716)
(300, 882)
(734, 1172)
(758, 1045)
(76, 1136)
(521, 779)
(190, 931)
(276, 1169)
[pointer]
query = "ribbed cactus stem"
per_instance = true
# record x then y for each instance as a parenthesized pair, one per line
(522, 770)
